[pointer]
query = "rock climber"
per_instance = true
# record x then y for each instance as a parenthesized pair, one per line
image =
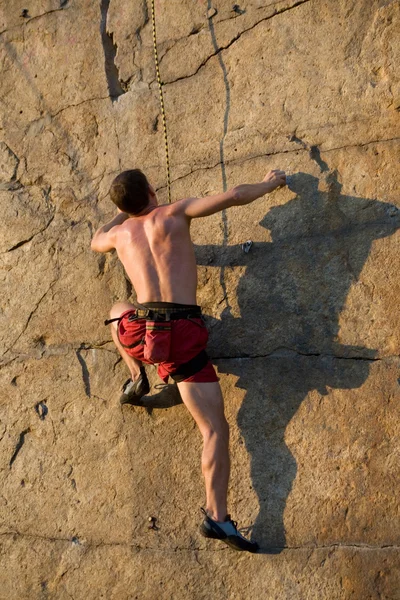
(165, 325)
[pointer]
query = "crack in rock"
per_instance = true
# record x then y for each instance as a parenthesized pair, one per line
(55, 350)
(282, 350)
(23, 242)
(30, 317)
(277, 153)
(63, 5)
(74, 105)
(235, 38)
(93, 544)
(64, 349)
(13, 161)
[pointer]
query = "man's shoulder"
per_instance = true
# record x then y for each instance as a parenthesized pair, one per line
(175, 209)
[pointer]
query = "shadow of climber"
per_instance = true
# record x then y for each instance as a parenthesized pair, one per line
(290, 299)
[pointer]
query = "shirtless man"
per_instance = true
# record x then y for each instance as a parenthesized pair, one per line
(153, 243)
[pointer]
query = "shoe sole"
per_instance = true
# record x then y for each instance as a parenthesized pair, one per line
(210, 534)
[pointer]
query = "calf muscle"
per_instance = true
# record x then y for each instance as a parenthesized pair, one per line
(205, 403)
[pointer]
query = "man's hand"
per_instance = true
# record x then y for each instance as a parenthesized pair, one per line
(275, 179)
(247, 193)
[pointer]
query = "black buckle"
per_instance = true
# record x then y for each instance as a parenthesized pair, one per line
(132, 317)
(160, 317)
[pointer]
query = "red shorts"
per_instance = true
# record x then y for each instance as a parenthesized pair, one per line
(188, 338)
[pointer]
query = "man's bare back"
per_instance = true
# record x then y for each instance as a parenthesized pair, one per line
(157, 254)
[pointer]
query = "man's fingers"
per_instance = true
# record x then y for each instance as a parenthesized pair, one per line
(278, 176)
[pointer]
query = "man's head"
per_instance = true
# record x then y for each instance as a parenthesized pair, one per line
(131, 191)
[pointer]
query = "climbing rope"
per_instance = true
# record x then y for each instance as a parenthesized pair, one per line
(164, 120)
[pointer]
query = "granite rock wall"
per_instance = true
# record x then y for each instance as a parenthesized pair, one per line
(304, 328)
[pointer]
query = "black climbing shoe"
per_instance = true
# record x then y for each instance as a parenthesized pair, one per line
(133, 391)
(227, 532)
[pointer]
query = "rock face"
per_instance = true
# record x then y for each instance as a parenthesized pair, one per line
(304, 326)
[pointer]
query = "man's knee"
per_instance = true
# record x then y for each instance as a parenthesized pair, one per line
(119, 308)
(216, 431)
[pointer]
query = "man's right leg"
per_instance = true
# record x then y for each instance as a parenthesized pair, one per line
(133, 365)
(138, 386)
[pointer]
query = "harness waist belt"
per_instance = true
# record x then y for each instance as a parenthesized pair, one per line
(165, 311)
(162, 311)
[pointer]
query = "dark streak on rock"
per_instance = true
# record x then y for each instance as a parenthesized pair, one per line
(221, 143)
(313, 151)
(239, 11)
(19, 445)
(145, 21)
(114, 85)
(128, 287)
(315, 155)
(85, 371)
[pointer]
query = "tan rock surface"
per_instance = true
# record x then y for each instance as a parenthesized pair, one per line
(304, 327)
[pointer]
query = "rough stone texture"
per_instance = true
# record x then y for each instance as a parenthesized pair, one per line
(304, 327)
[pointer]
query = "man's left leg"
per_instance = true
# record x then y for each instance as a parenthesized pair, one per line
(205, 403)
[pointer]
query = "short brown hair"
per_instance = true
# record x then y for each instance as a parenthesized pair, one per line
(130, 191)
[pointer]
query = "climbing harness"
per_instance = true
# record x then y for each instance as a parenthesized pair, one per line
(164, 120)
(156, 337)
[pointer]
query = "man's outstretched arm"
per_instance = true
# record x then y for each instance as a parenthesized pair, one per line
(104, 238)
(237, 196)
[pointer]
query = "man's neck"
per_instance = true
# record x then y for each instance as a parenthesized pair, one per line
(145, 211)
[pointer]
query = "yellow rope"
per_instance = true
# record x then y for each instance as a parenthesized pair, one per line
(164, 120)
